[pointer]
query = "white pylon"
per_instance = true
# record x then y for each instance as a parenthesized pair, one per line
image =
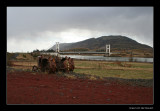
(108, 49)
(57, 47)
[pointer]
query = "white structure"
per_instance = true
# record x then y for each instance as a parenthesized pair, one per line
(57, 47)
(108, 49)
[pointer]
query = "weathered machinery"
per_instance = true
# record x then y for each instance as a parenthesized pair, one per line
(52, 65)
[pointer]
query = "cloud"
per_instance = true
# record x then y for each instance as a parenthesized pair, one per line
(43, 26)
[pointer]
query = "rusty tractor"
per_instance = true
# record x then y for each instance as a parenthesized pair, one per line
(53, 65)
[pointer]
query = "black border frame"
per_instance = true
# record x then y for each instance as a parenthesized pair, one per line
(55, 3)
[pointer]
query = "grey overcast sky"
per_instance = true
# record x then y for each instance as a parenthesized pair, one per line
(30, 28)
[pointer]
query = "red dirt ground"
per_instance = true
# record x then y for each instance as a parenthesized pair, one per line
(26, 88)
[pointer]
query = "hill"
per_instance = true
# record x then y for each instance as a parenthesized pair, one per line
(116, 42)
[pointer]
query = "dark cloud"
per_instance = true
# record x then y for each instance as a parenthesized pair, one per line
(32, 22)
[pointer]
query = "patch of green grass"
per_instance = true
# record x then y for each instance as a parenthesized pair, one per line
(137, 71)
(129, 74)
(142, 65)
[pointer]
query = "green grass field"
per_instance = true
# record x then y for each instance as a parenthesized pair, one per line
(129, 70)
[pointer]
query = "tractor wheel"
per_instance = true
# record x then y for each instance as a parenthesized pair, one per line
(35, 69)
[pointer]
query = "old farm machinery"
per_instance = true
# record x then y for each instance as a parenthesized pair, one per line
(53, 65)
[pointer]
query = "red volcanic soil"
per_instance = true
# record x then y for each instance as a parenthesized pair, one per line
(27, 88)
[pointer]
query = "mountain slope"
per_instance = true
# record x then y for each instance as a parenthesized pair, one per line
(116, 42)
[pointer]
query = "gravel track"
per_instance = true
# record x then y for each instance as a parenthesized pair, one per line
(133, 82)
